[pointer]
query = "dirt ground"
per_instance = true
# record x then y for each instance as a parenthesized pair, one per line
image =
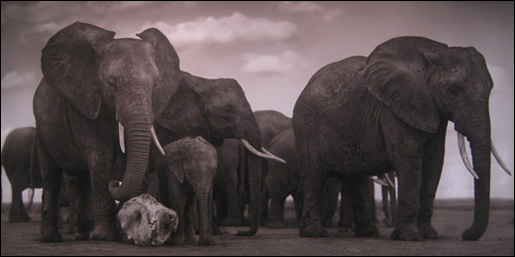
(451, 218)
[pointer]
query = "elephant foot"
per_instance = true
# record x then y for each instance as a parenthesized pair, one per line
(104, 233)
(406, 232)
(367, 231)
(275, 224)
(388, 223)
(427, 231)
(81, 236)
(51, 236)
(233, 222)
(313, 230)
(19, 218)
(205, 242)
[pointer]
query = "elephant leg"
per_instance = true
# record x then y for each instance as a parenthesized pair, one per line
(100, 169)
(84, 218)
(357, 189)
(388, 221)
(17, 212)
(314, 176)
(330, 201)
(234, 210)
(346, 221)
(52, 176)
(276, 211)
(408, 167)
(298, 202)
(432, 170)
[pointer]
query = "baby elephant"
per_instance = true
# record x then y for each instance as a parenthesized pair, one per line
(144, 221)
(193, 164)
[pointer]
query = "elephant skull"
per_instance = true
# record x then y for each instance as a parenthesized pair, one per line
(144, 221)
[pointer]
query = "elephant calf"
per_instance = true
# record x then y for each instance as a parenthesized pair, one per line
(193, 163)
(144, 221)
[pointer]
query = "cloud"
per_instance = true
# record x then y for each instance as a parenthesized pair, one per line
(299, 7)
(13, 80)
(304, 7)
(286, 62)
(236, 27)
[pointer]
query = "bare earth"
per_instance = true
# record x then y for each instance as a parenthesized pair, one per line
(451, 218)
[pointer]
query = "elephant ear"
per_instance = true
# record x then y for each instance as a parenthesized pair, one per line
(68, 63)
(183, 114)
(167, 61)
(174, 156)
(396, 74)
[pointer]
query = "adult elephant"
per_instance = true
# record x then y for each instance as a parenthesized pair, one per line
(96, 91)
(232, 170)
(21, 164)
(215, 109)
(367, 116)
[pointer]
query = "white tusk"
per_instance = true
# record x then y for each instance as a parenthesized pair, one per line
(121, 136)
(464, 155)
(379, 181)
(390, 182)
(156, 141)
(260, 154)
(499, 160)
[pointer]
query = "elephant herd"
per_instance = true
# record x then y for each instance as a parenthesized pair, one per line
(119, 116)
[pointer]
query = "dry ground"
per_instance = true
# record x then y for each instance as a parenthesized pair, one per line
(451, 218)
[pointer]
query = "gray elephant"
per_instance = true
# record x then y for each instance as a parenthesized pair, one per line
(230, 185)
(215, 109)
(144, 221)
(191, 166)
(97, 91)
(367, 116)
(21, 164)
(284, 180)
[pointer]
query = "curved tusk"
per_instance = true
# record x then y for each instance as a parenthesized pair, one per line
(379, 181)
(121, 136)
(464, 155)
(156, 141)
(390, 182)
(260, 154)
(499, 160)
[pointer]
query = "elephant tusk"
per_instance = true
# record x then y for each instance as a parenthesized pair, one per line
(499, 160)
(156, 141)
(464, 156)
(260, 154)
(390, 182)
(121, 136)
(379, 181)
(271, 154)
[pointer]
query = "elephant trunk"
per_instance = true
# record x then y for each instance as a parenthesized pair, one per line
(254, 168)
(138, 135)
(480, 144)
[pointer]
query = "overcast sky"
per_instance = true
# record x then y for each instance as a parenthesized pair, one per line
(272, 49)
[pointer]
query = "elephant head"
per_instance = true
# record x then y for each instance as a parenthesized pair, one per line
(127, 77)
(217, 109)
(144, 221)
(424, 83)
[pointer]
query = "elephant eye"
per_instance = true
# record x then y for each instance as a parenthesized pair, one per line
(455, 89)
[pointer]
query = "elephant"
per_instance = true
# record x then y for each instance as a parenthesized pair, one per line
(144, 221)
(389, 111)
(230, 185)
(215, 109)
(284, 180)
(96, 94)
(21, 164)
(191, 167)
(19, 155)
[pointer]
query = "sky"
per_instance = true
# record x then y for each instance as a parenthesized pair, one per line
(272, 49)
